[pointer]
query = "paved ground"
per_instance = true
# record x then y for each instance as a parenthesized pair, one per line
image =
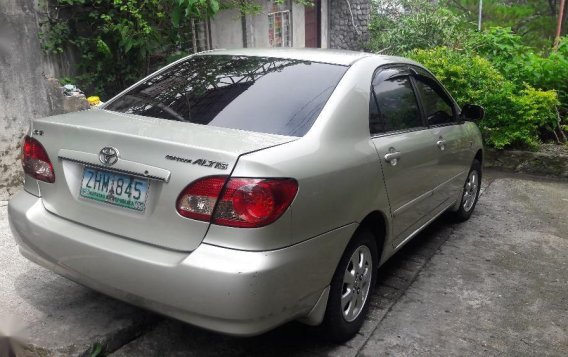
(495, 285)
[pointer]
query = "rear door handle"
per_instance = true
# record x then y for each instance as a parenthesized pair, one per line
(441, 144)
(392, 157)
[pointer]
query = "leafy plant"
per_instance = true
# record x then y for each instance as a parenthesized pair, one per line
(120, 41)
(533, 20)
(116, 40)
(403, 25)
(518, 85)
(513, 117)
(523, 64)
(97, 350)
(54, 40)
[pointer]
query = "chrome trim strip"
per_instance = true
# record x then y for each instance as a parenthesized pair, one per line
(413, 234)
(412, 202)
(436, 189)
(124, 166)
(440, 186)
(398, 132)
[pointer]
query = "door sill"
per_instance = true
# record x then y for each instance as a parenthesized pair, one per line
(413, 234)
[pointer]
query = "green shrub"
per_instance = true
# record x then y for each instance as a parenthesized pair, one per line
(513, 116)
(115, 39)
(519, 87)
(551, 72)
(415, 24)
(522, 64)
(120, 41)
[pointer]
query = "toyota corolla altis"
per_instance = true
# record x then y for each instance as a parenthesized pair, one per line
(237, 190)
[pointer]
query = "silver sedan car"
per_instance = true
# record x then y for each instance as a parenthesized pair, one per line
(237, 190)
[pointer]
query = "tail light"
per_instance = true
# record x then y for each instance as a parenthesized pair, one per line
(242, 202)
(35, 161)
(198, 200)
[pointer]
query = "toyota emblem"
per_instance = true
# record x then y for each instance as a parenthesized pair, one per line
(108, 156)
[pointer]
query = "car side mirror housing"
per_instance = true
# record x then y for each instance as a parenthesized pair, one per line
(472, 112)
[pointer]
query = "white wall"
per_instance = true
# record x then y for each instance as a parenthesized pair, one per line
(226, 30)
(226, 27)
(25, 92)
(257, 27)
(298, 25)
(324, 24)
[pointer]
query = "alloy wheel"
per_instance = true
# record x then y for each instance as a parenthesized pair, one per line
(470, 190)
(356, 283)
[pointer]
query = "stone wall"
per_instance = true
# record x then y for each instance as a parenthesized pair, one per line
(25, 91)
(348, 22)
(527, 162)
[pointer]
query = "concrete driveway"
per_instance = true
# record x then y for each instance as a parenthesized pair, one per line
(495, 285)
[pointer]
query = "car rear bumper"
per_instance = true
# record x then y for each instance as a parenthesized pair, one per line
(225, 290)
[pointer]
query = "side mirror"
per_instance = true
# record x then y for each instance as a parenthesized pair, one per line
(472, 112)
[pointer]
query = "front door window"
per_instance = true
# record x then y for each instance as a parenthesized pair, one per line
(438, 108)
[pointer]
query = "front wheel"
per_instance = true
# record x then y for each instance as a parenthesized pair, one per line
(470, 193)
(350, 288)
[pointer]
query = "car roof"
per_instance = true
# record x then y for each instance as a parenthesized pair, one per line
(332, 56)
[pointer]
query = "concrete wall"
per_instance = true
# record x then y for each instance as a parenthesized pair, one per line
(25, 92)
(257, 27)
(298, 25)
(226, 27)
(324, 24)
(23, 88)
(348, 23)
(343, 25)
(226, 30)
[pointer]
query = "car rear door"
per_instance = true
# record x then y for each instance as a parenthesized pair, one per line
(448, 134)
(405, 149)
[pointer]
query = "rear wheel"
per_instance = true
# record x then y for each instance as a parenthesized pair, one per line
(350, 288)
(470, 193)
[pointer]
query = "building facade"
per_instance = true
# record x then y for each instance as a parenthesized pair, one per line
(26, 94)
(326, 24)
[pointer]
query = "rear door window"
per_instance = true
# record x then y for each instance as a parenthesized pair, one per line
(396, 107)
(268, 95)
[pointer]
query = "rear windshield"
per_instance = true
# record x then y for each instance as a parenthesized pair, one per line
(267, 95)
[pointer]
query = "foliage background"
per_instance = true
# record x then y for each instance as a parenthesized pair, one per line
(511, 71)
(120, 41)
(509, 67)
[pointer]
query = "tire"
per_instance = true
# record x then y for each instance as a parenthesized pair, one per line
(343, 321)
(470, 193)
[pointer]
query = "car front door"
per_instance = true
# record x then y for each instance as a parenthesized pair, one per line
(405, 149)
(447, 131)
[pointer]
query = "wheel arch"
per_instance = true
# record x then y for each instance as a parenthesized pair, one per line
(376, 222)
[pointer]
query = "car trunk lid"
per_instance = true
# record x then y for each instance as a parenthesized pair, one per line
(168, 154)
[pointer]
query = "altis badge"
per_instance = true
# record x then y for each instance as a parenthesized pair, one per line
(200, 162)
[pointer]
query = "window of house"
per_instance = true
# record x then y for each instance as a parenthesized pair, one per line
(279, 26)
(437, 106)
(397, 108)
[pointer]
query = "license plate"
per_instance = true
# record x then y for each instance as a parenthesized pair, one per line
(114, 188)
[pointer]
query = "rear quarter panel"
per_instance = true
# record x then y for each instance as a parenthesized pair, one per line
(335, 163)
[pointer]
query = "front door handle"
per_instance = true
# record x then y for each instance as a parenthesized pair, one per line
(392, 157)
(441, 144)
